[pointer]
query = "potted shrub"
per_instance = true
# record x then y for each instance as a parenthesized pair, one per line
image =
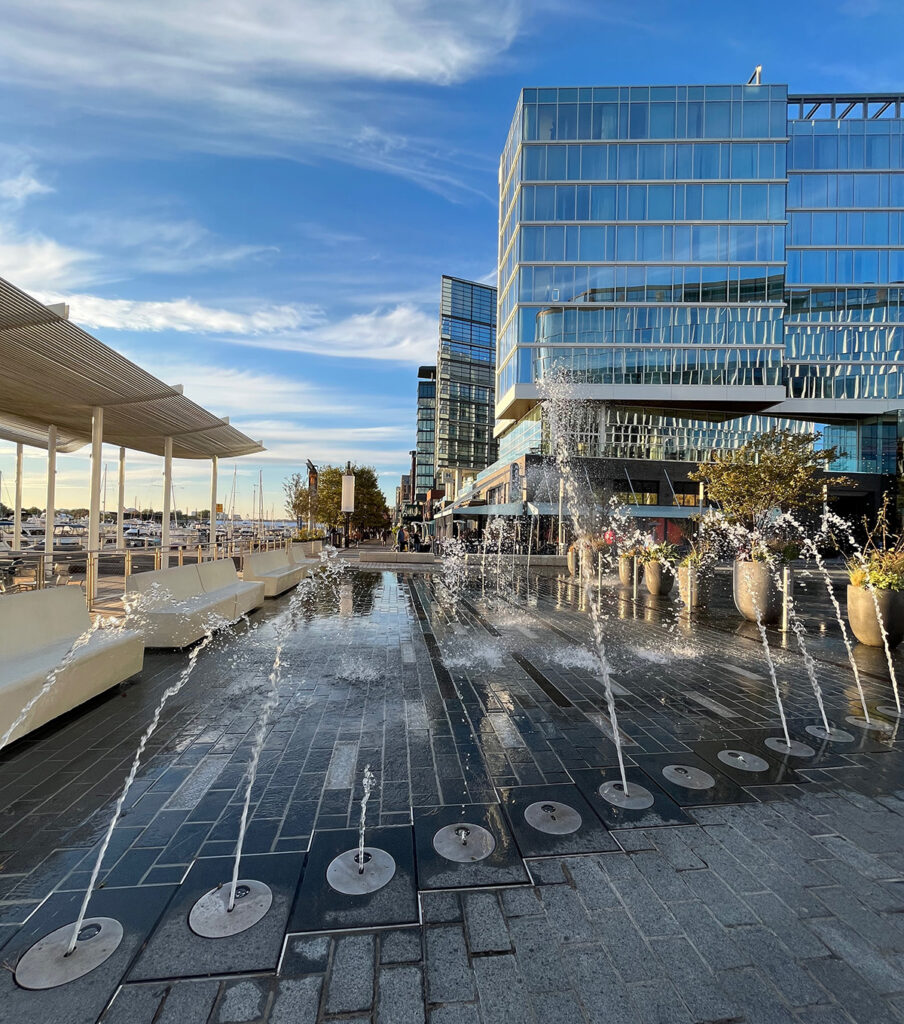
(659, 568)
(695, 578)
(780, 472)
(626, 565)
(877, 584)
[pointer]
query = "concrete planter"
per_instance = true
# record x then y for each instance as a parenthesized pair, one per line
(690, 578)
(626, 569)
(861, 611)
(658, 578)
(755, 589)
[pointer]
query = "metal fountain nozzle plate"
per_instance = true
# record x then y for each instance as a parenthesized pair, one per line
(874, 723)
(553, 818)
(688, 776)
(632, 797)
(344, 873)
(743, 760)
(833, 734)
(464, 842)
(795, 748)
(46, 965)
(890, 710)
(211, 917)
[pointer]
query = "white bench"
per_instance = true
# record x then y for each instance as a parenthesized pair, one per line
(178, 606)
(386, 555)
(37, 632)
(275, 570)
(305, 550)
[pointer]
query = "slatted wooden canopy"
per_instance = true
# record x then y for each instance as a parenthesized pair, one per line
(53, 373)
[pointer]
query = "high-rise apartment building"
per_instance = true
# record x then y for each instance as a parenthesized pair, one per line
(426, 432)
(705, 261)
(465, 379)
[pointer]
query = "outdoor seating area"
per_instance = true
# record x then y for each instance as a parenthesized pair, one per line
(275, 569)
(47, 635)
(175, 607)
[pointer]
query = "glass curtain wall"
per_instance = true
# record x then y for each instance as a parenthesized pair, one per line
(465, 376)
(642, 236)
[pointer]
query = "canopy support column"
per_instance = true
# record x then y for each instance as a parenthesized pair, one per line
(167, 499)
(46, 565)
(121, 501)
(94, 540)
(213, 507)
(17, 501)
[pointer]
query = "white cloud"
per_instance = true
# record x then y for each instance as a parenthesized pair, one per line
(185, 315)
(303, 80)
(34, 262)
(403, 333)
(18, 189)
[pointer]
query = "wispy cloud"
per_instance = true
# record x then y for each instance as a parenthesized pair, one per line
(185, 315)
(402, 333)
(299, 77)
(34, 262)
(21, 187)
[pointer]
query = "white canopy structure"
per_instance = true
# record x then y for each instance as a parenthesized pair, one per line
(61, 388)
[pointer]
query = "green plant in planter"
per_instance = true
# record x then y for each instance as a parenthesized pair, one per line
(664, 552)
(881, 564)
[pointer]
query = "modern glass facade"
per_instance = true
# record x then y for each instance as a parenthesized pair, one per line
(426, 432)
(465, 377)
(719, 247)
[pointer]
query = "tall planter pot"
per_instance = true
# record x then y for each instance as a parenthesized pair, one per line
(658, 578)
(755, 589)
(698, 595)
(626, 569)
(861, 610)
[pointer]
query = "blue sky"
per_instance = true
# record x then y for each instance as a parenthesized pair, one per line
(256, 198)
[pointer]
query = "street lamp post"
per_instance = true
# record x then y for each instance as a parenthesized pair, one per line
(348, 497)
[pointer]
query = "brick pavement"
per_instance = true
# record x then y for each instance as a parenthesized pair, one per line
(786, 909)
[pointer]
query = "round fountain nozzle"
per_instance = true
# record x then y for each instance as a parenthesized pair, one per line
(795, 748)
(873, 723)
(746, 762)
(634, 797)
(464, 843)
(346, 872)
(833, 734)
(553, 819)
(212, 916)
(50, 963)
(688, 776)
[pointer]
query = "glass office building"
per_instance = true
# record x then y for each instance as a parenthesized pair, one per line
(705, 261)
(465, 379)
(425, 454)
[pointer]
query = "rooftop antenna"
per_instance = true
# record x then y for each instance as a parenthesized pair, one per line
(757, 77)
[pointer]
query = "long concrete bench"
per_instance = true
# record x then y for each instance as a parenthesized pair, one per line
(38, 629)
(275, 570)
(305, 550)
(175, 607)
(384, 555)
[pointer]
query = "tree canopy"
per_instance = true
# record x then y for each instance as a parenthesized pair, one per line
(371, 511)
(780, 470)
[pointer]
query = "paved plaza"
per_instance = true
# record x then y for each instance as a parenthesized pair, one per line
(776, 900)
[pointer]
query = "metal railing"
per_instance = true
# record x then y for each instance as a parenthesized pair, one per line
(31, 569)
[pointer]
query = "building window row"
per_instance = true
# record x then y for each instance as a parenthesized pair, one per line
(653, 161)
(845, 190)
(845, 266)
(694, 243)
(655, 119)
(875, 227)
(714, 201)
(847, 152)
